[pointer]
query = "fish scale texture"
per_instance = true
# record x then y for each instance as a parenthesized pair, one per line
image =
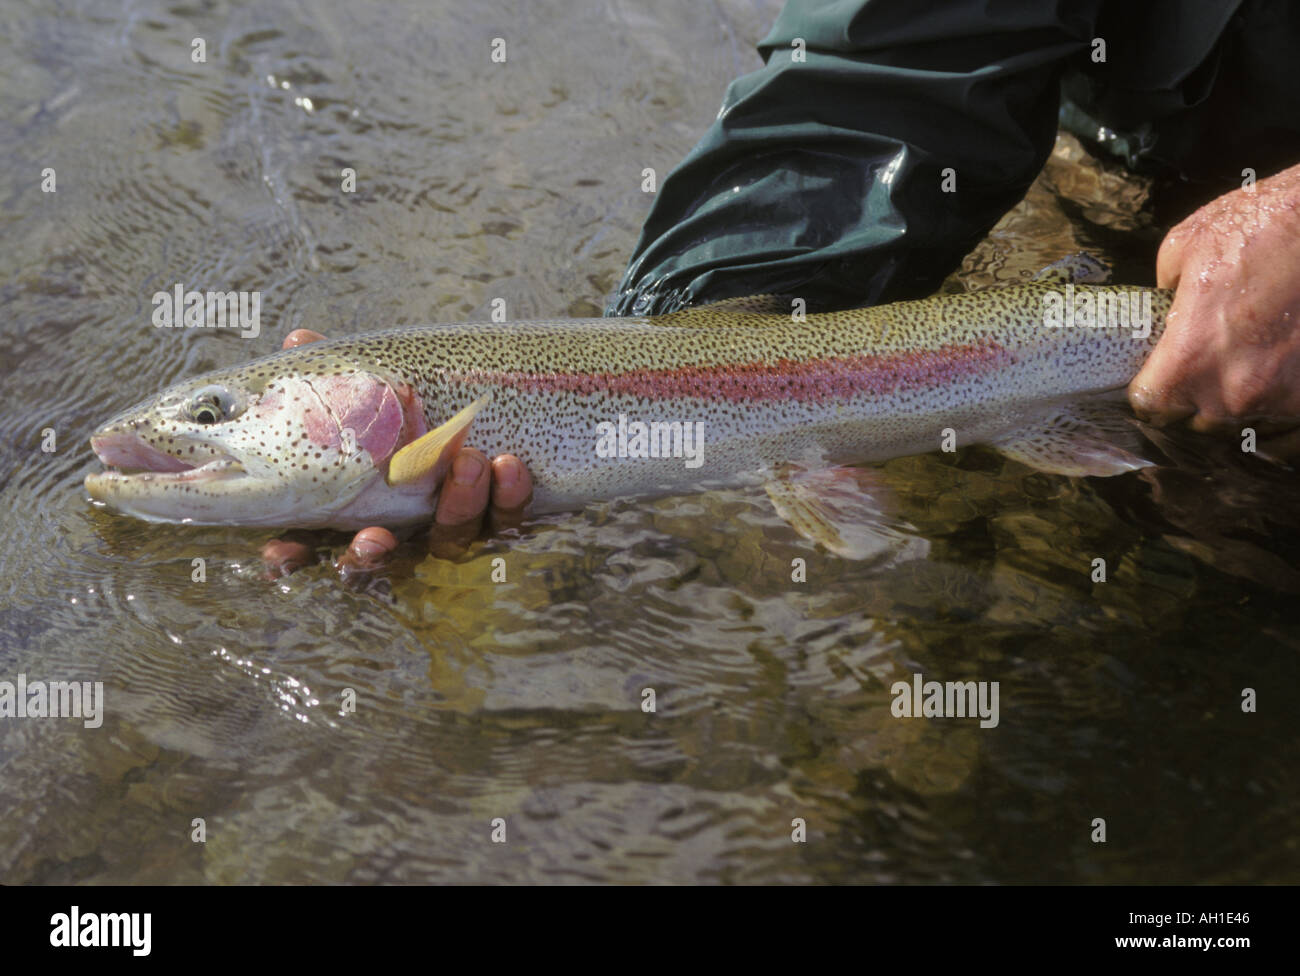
(756, 389)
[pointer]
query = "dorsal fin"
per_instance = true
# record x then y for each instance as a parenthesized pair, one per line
(764, 309)
(753, 305)
(1080, 268)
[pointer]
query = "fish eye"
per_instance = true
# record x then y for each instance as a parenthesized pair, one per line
(212, 405)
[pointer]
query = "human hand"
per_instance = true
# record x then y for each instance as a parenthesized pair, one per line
(474, 492)
(1230, 353)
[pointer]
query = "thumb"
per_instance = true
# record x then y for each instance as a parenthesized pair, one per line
(1157, 393)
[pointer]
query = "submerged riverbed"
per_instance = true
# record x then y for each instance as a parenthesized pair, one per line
(481, 702)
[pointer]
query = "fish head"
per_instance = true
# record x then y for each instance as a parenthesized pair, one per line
(287, 441)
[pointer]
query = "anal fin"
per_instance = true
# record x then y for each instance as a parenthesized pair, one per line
(1089, 438)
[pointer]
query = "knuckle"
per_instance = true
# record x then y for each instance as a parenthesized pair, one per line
(458, 511)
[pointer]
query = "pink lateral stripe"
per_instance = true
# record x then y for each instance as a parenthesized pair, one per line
(803, 380)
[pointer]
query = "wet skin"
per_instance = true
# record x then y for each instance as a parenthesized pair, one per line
(1230, 353)
(476, 495)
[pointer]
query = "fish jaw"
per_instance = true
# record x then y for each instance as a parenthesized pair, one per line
(304, 451)
(229, 489)
(151, 491)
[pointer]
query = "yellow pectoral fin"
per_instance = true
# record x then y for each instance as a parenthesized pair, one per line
(434, 450)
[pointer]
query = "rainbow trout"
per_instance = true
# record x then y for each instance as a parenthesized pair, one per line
(359, 431)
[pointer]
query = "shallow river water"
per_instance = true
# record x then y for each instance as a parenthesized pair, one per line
(522, 702)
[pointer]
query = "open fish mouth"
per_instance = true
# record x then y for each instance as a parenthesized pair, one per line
(129, 460)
